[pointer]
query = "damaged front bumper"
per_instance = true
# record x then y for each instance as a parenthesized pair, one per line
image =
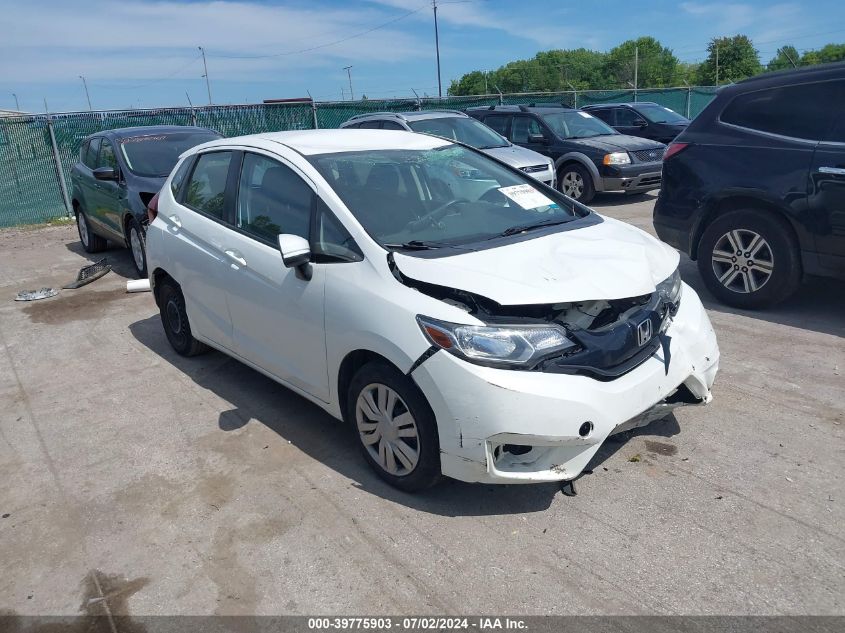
(510, 426)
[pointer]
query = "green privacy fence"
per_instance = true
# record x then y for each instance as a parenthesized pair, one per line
(37, 152)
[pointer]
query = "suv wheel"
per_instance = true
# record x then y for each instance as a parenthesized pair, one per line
(576, 182)
(395, 427)
(174, 318)
(749, 259)
(138, 246)
(91, 242)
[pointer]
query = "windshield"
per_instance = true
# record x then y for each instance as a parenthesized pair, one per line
(439, 198)
(659, 114)
(577, 124)
(461, 129)
(156, 155)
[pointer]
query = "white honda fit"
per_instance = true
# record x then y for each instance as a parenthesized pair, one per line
(463, 318)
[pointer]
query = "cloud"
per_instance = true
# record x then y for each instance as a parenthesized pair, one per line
(760, 22)
(135, 39)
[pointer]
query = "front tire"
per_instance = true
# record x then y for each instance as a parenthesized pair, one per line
(395, 427)
(749, 259)
(138, 246)
(174, 318)
(576, 182)
(91, 242)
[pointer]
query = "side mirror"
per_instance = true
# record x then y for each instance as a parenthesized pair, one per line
(296, 253)
(537, 138)
(641, 123)
(105, 173)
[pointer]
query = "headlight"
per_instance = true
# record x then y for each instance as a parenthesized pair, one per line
(617, 158)
(506, 345)
(670, 288)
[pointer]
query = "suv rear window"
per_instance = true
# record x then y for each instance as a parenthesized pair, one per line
(799, 111)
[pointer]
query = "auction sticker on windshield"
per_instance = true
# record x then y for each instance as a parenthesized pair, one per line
(526, 196)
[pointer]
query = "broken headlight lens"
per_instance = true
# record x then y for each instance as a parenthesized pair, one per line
(506, 345)
(670, 288)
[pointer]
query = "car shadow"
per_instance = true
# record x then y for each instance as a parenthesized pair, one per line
(258, 399)
(819, 304)
(616, 198)
(119, 258)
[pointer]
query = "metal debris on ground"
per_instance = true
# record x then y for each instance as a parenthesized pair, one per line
(90, 273)
(34, 295)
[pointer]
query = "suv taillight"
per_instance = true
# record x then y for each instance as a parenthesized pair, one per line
(152, 208)
(673, 149)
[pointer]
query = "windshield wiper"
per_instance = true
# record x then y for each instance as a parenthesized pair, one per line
(422, 245)
(491, 146)
(527, 227)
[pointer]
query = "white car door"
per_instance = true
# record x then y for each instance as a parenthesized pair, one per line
(277, 316)
(200, 265)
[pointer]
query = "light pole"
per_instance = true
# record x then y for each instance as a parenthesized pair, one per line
(437, 46)
(87, 96)
(205, 68)
(636, 69)
(348, 70)
(17, 105)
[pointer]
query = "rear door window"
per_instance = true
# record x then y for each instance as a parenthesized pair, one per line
(800, 111)
(391, 125)
(499, 122)
(605, 115)
(370, 125)
(207, 186)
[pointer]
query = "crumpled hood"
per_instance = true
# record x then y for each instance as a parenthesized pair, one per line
(608, 260)
(517, 156)
(618, 142)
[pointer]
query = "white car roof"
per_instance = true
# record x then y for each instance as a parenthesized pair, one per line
(310, 142)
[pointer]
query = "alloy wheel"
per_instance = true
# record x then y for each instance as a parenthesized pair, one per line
(82, 225)
(387, 429)
(742, 261)
(137, 248)
(572, 184)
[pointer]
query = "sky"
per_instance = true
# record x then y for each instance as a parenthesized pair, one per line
(144, 53)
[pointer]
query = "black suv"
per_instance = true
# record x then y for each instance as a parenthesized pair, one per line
(754, 189)
(589, 155)
(642, 118)
(118, 173)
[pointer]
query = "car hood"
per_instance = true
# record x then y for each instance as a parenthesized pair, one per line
(617, 142)
(517, 156)
(608, 260)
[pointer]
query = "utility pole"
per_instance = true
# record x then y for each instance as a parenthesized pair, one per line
(205, 67)
(717, 63)
(785, 52)
(348, 70)
(17, 105)
(485, 82)
(87, 96)
(437, 46)
(636, 69)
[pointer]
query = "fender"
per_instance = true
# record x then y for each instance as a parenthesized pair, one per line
(584, 160)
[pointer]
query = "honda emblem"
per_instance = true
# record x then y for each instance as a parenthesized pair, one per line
(644, 332)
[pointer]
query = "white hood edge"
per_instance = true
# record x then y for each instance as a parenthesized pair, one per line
(609, 260)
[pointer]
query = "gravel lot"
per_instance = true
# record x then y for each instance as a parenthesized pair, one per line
(194, 486)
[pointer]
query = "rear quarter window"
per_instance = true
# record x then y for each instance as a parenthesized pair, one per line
(799, 111)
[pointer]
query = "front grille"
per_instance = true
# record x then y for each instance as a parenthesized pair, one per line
(649, 155)
(534, 168)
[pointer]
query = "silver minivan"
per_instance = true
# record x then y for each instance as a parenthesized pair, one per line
(457, 126)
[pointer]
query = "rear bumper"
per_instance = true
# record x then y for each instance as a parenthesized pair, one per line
(481, 412)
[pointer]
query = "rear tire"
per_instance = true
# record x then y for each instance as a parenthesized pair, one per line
(576, 182)
(137, 238)
(749, 259)
(174, 318)
(91, 242)
(395, 427)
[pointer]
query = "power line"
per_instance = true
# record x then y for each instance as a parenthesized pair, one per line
(327, 44)
(154, 81)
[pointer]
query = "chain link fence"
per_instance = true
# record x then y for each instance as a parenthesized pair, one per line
(37, 152)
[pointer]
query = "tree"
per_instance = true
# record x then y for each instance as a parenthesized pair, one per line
(656, 65)
(827, 54)
(471, 83)
(787, 57)
(737, 59)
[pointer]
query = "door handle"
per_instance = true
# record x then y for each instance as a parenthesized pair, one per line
(176, 221)
(235, 256)
(836, 171)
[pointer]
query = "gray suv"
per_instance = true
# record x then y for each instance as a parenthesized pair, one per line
(457, 126)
